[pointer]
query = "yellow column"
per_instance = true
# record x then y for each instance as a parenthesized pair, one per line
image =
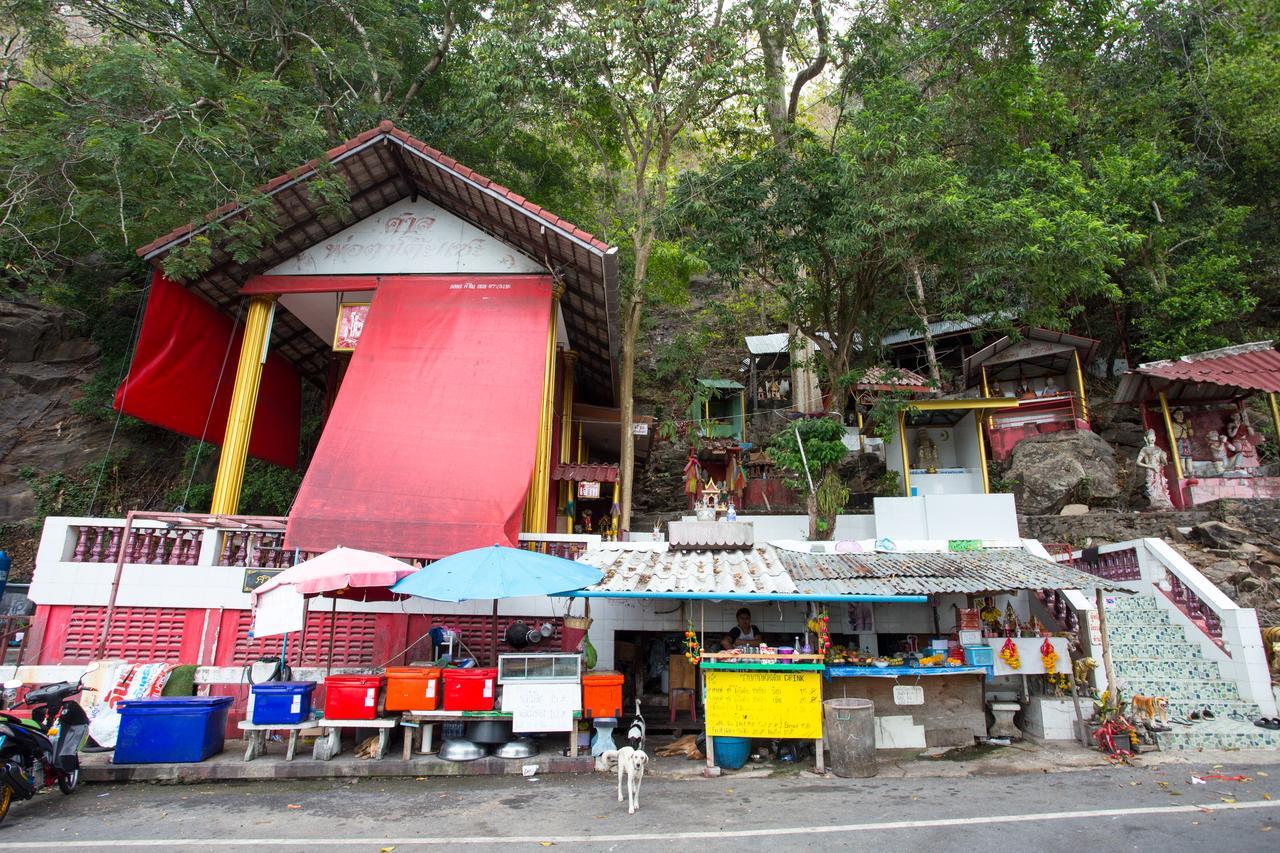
(862, 439)
(536, 504)
(569, 359)
(986, 389)
(982, 451)
(614, 523)
(906, 465)
(1173, 441)
(1275, 414)
(244, 400)
(1084, 402)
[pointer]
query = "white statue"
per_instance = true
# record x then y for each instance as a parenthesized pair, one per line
(1217, 450)
(1153, 460)
(926, 452)
(1238, 442)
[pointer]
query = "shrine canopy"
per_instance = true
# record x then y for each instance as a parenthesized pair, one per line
(1229, 373)
(1035, 353)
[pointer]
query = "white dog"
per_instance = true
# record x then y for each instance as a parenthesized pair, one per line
(631, 763)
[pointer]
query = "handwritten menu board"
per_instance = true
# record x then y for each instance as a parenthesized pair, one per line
(764, 704)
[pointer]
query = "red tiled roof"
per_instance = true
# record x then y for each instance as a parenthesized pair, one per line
(586, 473)
(380, 167)
(892, 379)
(1244, 367)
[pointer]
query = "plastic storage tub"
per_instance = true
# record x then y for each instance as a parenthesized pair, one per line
(352, 697)
(981, 656)
(413, 688)
(279, 702)
(176, 729)
(602, 694)
(731, 752)
(470, 689)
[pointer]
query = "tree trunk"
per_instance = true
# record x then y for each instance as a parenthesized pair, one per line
(923, 311)
(626, 382)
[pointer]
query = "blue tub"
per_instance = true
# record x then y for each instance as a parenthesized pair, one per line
(279, 702)
(731, 752)
(173, 729)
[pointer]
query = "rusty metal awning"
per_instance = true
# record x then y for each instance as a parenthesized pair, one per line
(1226, 373)
(585, 473)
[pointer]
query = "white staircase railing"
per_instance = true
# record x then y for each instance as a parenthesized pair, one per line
(1225, 632)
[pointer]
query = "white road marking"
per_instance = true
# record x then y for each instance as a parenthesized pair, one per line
(640, 836)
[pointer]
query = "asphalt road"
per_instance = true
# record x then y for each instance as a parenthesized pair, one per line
(1144, 809)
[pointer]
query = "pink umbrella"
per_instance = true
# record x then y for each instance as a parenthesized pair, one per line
(279, 605)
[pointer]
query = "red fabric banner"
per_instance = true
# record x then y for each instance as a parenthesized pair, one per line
(175, 371)
(429, 448)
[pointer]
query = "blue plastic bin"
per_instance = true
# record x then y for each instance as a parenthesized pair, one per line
(981, 656)
(731, 752)
(280, 702)
(174, 729)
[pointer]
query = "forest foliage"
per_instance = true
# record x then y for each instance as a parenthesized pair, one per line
(844, 166)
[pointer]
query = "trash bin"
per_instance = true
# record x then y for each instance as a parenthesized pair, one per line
(849, 728)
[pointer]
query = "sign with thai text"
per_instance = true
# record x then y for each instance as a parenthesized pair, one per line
(906, 694)
(589, 489)
(254, 578)
(764, 704)
(640, 429)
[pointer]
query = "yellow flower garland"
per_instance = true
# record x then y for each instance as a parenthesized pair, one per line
(1009, 654)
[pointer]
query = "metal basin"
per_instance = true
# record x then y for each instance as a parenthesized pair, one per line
(460, 749)
(521, 747)
(489, 731)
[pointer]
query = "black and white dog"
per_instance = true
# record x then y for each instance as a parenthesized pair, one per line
(635, 734)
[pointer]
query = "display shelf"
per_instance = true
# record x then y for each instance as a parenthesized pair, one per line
(850, 671)
(771, 667)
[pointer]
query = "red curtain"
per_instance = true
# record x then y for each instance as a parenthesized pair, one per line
(174, 376)
(429, 447)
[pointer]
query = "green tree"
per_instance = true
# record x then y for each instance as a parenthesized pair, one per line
(811, 451)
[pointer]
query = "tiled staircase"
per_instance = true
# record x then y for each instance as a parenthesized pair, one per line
(1153, 657)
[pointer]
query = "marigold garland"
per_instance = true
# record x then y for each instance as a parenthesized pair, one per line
(1049, 656)
(1009, 654)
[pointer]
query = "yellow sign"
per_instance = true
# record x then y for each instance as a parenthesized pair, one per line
(764, 704)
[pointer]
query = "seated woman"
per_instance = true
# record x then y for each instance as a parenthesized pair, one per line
(742, 634)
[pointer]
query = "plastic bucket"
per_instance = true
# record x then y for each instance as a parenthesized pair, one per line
(849, 728)
(731, 752)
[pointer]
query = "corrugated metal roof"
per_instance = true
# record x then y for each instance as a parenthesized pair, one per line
(722, 384)
(1086, 347)
(1213, 374)
(768, 344)
(585, 473)
(988, 570)
(765, 570)
(752, 571)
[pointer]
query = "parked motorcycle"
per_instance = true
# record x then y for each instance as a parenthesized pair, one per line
(44, 750)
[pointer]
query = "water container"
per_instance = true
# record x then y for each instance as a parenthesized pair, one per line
(731, 752)
(849, 728)
(277, 702)
(181, 729)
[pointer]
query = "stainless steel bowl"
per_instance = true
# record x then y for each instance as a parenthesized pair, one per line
(521, 747)
(460, 749)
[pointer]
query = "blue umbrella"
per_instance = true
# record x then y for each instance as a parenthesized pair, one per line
(497, 572)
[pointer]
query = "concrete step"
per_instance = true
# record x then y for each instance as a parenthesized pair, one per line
(1219, 734)
(1202, 670)
(1221, 708)
(1155, 651)
(1147, 634)
(1181, 689)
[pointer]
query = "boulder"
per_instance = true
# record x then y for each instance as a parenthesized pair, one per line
(1052, 470)
(1075, 509)
(1217, 534)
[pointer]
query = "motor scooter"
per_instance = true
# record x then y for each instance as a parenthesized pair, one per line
(44, 750)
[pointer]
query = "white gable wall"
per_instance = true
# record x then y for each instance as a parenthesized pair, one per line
(409, 237)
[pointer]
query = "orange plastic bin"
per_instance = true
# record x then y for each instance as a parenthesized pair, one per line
(602, 694)
(413, 688)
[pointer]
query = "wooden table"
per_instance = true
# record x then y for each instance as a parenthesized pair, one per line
(256, 735)
(331, 744)
(425, 722)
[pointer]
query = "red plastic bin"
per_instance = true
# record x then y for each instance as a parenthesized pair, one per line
(352, 697)
(602, 694)
(470, 689)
